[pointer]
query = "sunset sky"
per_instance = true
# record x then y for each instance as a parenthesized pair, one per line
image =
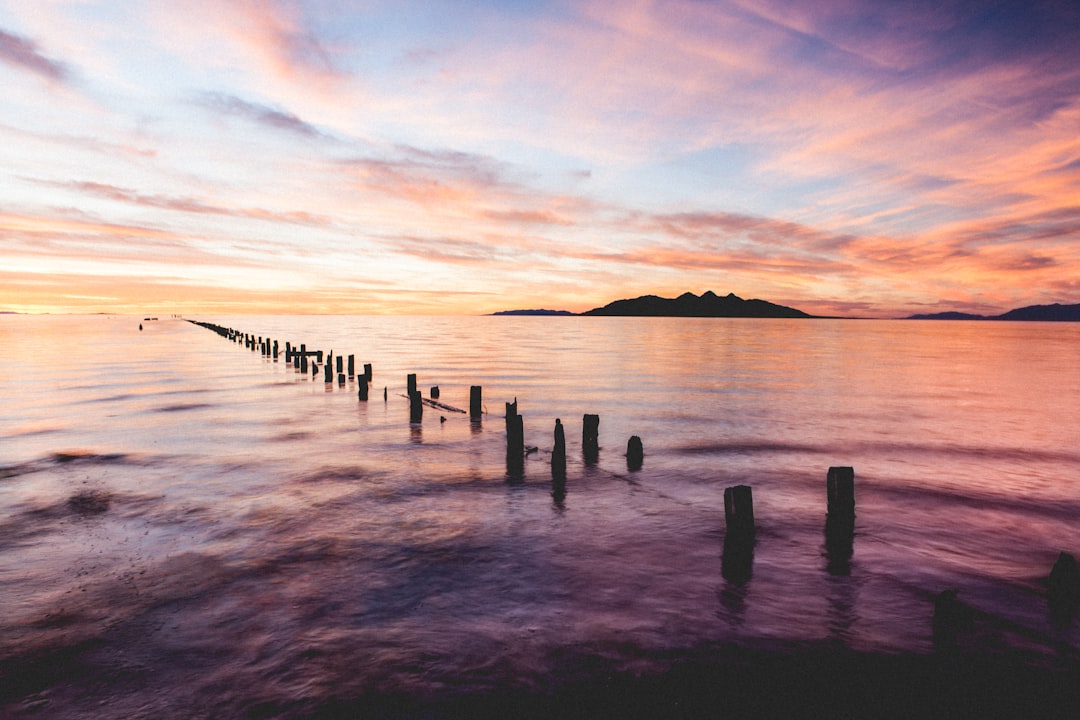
(841, 156)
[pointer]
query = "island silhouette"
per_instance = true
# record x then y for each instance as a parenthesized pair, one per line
(708, 304)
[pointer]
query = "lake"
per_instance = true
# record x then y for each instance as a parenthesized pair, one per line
(191, 529)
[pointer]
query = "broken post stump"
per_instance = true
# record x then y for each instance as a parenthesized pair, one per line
(558, 455)
(635, 453)
(590, 437)
(739, 510)
(1063, 585)
(515, 441)
(341, 379)
(434, 392)
(475, 394)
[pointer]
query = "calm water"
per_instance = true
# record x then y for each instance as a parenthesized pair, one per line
(188, 529)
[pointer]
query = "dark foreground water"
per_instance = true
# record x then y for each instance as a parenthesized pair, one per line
(188, 529)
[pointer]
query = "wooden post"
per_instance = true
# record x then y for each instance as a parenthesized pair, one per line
(840, 487)
(303, 358)
(1064, 583)
(590, 437)
(384, 395)
(288, 352)
(434, 392)
(328, 370)
(276, 349)
(367, 371)
(475, 394)
(363, 388)
(341, 379)
(416, 407)
(340, 364)
(739, 510)
(410, 383)
(635, 453)
(558, 455)
(515, 440)
(352, 366)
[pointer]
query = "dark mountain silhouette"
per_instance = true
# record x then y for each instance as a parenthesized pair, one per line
(1044, 313)
(690, 305)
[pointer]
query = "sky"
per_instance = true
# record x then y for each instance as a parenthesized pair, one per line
(846, 157)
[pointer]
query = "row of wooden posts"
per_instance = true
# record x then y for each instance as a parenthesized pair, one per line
(1063, 581)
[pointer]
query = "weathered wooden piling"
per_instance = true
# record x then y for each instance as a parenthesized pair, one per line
(341, 379)
(515, 440)
(590, 437)
(410, 383)
(739, 510)
(288, 352)
(475, 400)
(328, 371)
(362, 386)
(840, 520)
(367, 371)
(416, 407)
(434, 393)
(1063, 585)
(352, 366)
(558, 454)
(635, 453)
(340, 364)
(303, 358)
(840, 488)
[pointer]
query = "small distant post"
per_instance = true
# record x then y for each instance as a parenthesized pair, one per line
(303, 358)
(739, 510)
(416, 407)
(475, 394)
(352, 366)
(410, 383)
(340, 364)
(434, 392)
(276, 349)
(635, 453)
(590, 437)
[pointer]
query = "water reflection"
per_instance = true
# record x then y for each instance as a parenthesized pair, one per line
(737, 569)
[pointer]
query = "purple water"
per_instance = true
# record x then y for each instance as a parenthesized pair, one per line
(189, 529)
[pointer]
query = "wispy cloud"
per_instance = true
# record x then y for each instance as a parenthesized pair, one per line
(258, 113)
(23, 53)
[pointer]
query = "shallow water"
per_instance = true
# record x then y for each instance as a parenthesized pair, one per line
(190, 529)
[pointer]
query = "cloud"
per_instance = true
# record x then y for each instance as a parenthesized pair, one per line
(23, 53)
(258, 113)
(191, 205)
